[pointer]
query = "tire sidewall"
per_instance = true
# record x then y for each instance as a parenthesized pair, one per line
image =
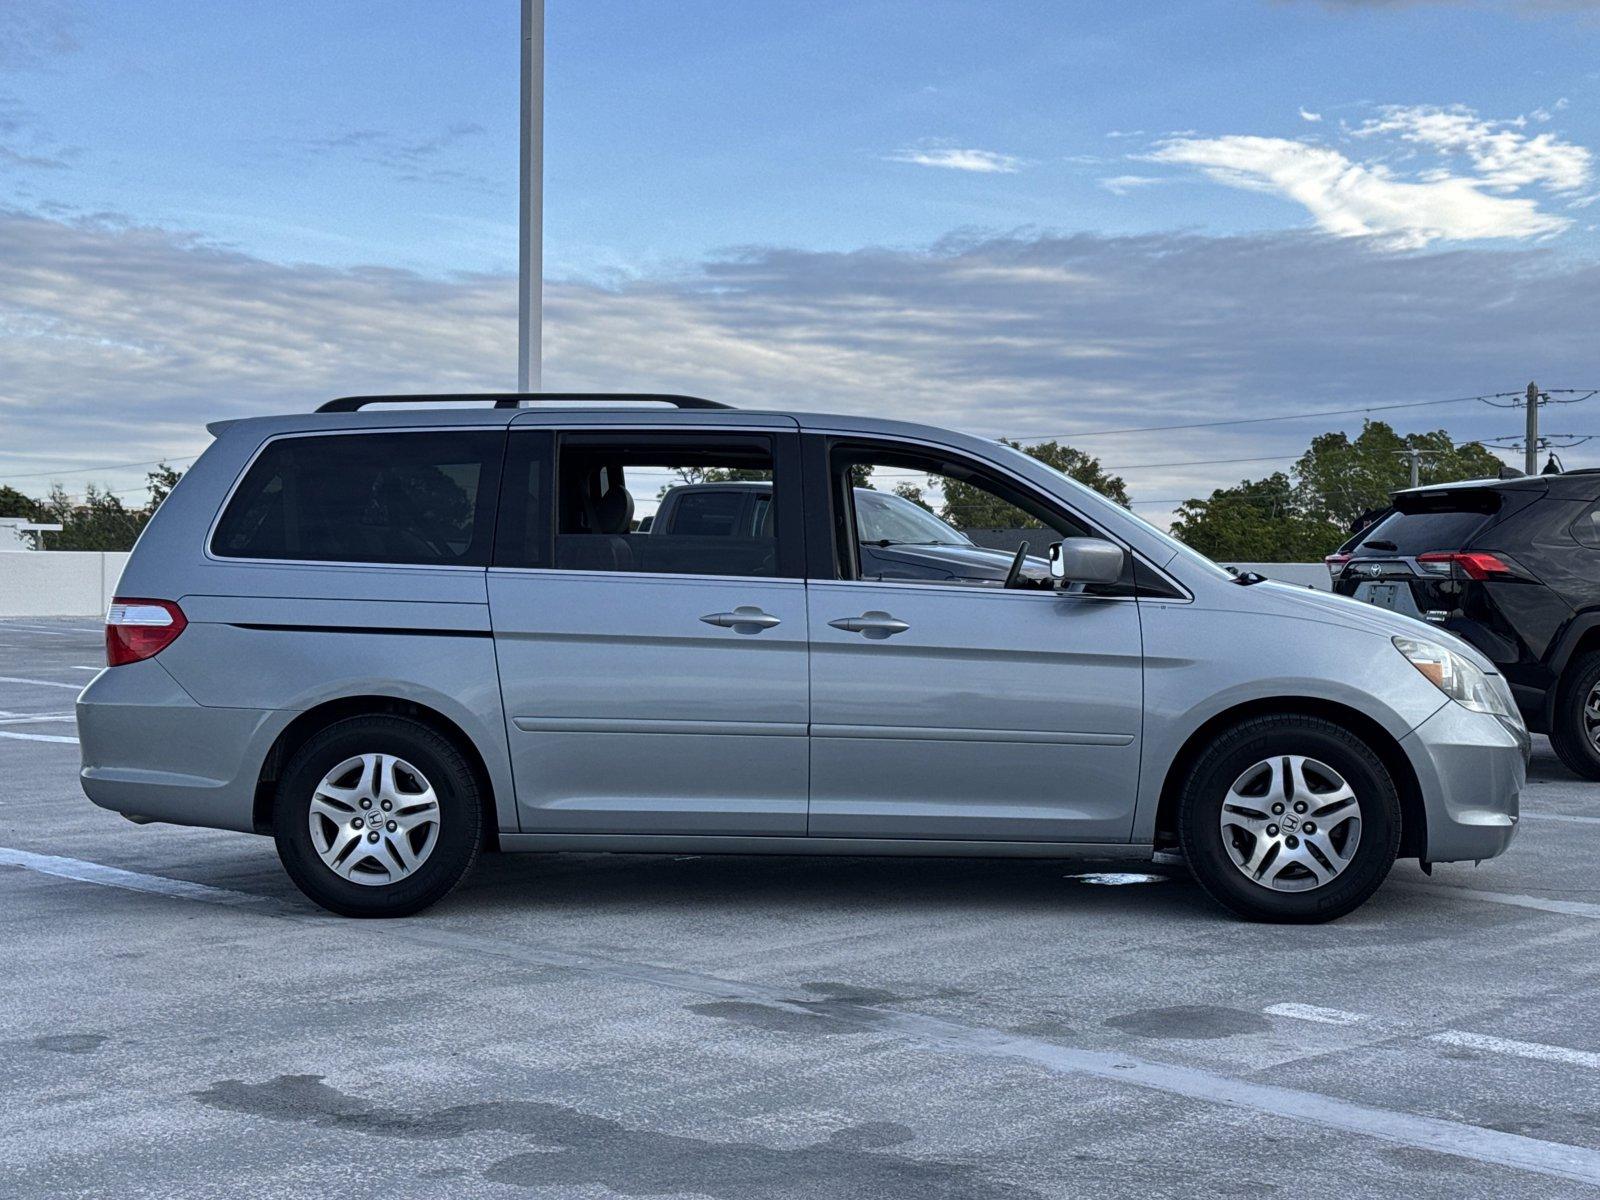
(1570, 738)
(460, 816)
(1232, 754)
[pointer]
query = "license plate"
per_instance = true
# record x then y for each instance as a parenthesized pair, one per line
(1384, 595)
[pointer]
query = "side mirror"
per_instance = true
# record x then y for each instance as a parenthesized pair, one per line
(1087, 560)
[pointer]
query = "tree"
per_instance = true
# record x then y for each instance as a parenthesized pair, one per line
(913, 493)
(969, 507)
(1256, 521)
(100, 521)
(14, 504)
(1339, 478)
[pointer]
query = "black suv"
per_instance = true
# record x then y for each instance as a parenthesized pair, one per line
(1512, 566)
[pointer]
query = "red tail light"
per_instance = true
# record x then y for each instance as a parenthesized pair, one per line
(140, 629)
(1474, 564)
(1335, 563)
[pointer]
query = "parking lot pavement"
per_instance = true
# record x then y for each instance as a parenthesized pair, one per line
(177, 1021)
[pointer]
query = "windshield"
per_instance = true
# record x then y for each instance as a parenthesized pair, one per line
(885, 517)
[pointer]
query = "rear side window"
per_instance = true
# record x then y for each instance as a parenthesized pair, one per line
(425, 498)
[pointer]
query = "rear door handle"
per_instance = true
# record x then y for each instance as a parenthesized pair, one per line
(875, 625)
(747, 618)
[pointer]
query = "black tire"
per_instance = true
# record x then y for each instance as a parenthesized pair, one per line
(1263, 739)
(456, 842)
(1568, 737)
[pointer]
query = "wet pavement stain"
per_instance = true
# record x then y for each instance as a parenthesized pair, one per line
(1199, 1022)
(578, 1148)
(70, 1043)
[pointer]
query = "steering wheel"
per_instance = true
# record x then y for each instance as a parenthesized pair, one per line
(1015, 573)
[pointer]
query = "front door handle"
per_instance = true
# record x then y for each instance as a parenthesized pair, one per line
(875, 625)
(747, 618)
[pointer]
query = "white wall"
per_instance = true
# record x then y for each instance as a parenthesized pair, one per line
(59, 583)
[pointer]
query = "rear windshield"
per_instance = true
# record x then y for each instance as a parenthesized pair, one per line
(1410, 534)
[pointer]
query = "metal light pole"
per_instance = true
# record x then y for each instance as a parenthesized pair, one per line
(530, 291)
(1530, 443)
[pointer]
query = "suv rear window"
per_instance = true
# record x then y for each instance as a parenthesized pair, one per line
(425, 498)
(1413, 533)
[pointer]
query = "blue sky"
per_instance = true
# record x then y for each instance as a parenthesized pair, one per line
(715, 168)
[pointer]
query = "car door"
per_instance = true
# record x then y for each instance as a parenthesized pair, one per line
(957, 709)
(652, 683)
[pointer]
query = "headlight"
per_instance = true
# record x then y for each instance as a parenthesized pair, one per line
(1456, 677)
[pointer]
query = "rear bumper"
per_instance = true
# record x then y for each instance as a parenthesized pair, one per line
(150, 751)
(1471, 768)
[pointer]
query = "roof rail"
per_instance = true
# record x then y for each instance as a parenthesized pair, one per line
(518, 399)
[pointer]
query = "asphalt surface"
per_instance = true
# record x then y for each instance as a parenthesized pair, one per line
(176, 1021)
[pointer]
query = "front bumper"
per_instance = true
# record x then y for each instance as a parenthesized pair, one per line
(1471, 768)
(150, 752)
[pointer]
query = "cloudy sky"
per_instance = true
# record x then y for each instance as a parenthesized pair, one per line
(1117, 222)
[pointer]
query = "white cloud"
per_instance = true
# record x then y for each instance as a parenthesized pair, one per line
(1306, 115)
(1474, 189)
(952, 158)
(120, 342)
(1500, 154)
(1121, 185)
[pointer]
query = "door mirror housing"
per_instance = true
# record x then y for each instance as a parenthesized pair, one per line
(1087, 560)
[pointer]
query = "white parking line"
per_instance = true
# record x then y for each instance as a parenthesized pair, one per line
(11, 718)
(76, 668)
(42, 682)
(1539, 816)
(1534, 1050)
(58, 630)
(1567, 908)
(1320, 1016)
(1456, 1138)
(38, 737)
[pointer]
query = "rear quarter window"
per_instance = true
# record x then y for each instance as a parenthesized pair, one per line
(425, 498)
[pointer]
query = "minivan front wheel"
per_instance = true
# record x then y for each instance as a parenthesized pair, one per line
(377, 816)
(1290, 819)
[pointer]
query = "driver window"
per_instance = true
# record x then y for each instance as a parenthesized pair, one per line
(914, 518)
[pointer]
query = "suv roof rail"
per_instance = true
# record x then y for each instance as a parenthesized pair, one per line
(518, 399)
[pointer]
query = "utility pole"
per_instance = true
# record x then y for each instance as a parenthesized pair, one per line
(1530, 447)
(530, 290)
(1415, 456)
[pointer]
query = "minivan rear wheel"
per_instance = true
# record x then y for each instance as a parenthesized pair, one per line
(1292, 819)
(377, 816)
(1575, 723)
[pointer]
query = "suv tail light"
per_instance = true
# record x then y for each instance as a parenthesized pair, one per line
(141, 629)
(1335, 563)
(1474, 564)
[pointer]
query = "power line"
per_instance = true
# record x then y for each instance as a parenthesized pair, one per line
(155, 462)
(1487, 398)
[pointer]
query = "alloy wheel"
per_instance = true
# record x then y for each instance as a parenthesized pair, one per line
(374, 819)
(1291, 823)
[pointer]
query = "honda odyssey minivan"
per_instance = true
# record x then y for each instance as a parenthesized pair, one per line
(393, 636)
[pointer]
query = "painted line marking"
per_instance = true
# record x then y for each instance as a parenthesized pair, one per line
(41, 682)
(38, 737)
(1455, 1138)
(135, 881)
(11, 718)
(1534, 1050)
(1533, 816)
(88, 668)
(58, 630)
(1567, 908)
(1317, 1015)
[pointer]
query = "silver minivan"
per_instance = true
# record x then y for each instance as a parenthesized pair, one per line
(394, 635)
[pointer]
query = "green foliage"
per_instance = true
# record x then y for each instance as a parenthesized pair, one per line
(969, 507)
(14, 504)
(1256, 521)
(1302, 517)
(911, 492)
(1340, 478)
(99, 521)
